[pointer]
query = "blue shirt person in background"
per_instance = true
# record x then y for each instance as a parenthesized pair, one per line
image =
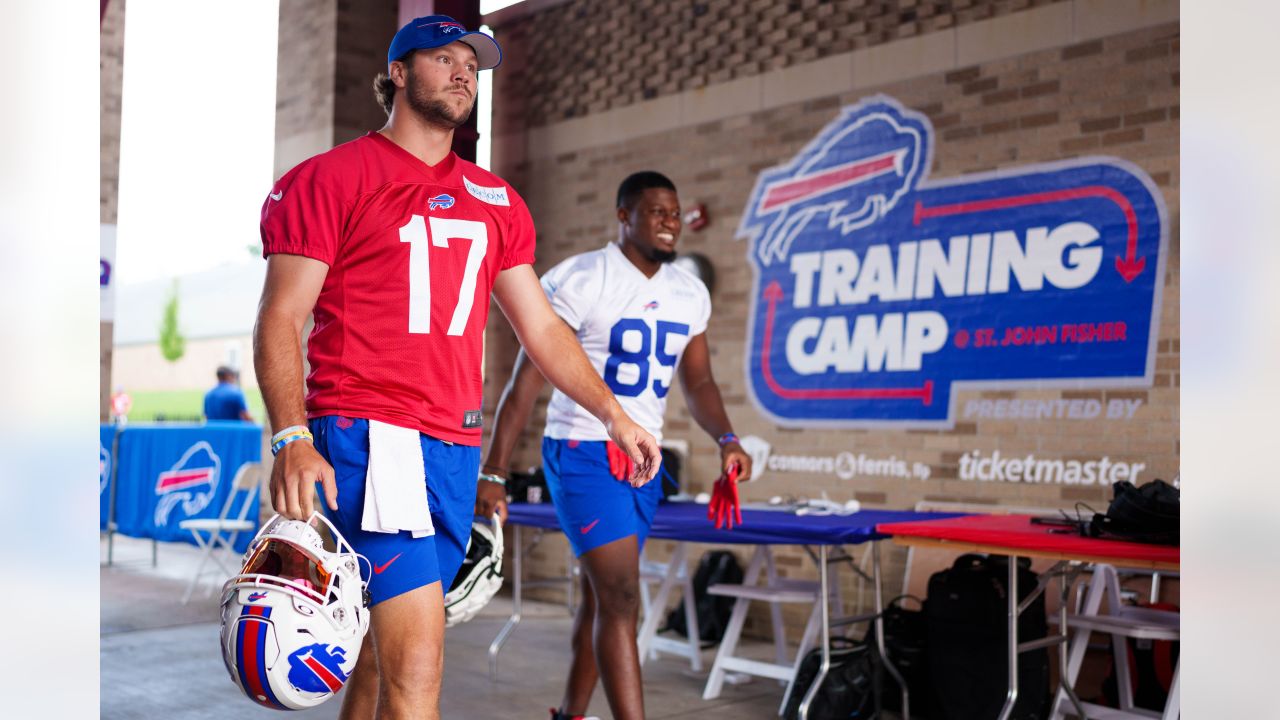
(226, 401)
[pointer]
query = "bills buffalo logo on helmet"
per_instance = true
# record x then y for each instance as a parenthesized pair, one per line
(440, 202)
(318, 668)
(191, 482)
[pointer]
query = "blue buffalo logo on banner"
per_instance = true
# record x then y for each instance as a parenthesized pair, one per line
(878, 294)
(191, 482)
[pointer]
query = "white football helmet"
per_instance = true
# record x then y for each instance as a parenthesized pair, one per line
(294, 618)
(480, 576)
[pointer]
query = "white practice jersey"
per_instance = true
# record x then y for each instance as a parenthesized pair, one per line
(634, 330)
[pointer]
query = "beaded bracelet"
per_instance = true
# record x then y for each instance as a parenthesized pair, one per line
(726, 438)
(490, 477)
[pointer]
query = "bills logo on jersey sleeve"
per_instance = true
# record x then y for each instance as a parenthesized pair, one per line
(191, 482)
(440, 202)
(318, 668)
(878, 294)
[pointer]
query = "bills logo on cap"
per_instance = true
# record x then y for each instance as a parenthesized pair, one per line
(446, 27)
(440, 202)
(192, 481)
(318, 668)
(878, 294)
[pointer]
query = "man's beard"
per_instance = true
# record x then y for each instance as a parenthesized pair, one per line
(661, 256)
(432, 109)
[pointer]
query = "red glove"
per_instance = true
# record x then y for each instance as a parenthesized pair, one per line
(621, 466)
(725, 506)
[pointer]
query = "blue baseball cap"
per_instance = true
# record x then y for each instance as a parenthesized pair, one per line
(435, 31)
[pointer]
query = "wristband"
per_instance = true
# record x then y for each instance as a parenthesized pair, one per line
(302, 435)
(497, 480)
(291, 430)
(726, 438)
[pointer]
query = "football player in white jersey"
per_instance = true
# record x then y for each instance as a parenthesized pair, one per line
(641, 321)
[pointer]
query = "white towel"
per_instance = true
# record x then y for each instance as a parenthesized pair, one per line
(395, 488)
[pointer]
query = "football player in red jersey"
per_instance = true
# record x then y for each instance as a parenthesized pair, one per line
(393, 244)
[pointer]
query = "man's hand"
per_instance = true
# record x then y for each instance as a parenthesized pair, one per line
(490, 498)
(298, 467)
(639, 445)
(733, 454)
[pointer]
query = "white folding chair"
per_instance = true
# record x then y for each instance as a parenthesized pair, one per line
(669, 575)
(1121, 622)
(774, 591)
(222, 531)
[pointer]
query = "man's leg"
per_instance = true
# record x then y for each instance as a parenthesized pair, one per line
(582, 672)
(614, 573)
(407, 663)
(360, 694)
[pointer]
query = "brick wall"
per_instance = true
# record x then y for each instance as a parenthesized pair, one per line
(1113, 94)
(329, 52)
(110, 89)
(584, 57)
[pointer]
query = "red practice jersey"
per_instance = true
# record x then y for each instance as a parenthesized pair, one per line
(412, 251)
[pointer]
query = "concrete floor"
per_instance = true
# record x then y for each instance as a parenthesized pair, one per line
(160, 659)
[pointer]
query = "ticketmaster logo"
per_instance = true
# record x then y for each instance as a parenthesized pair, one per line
(1030, 469)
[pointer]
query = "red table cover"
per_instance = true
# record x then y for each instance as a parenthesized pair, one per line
(1017, 533)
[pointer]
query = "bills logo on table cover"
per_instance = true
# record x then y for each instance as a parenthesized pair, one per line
(104, 468)
(318, 668)
(877, 294)
(192, 481)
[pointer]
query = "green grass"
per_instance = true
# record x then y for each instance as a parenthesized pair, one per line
(184, 405)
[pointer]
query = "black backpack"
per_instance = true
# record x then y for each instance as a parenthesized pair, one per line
(849, 689)
(519, 483)
(716, 566)
(906, 643)
(1147, 514)
(967, 616)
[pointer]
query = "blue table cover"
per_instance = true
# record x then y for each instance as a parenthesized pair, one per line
(172, 472)
(688, 521)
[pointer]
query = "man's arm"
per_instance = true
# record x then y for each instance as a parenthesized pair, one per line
(511, 417)
(293, 283)
(554, 348)
(705, 405)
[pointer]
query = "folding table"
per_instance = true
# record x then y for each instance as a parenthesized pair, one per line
(1016, 536)
(687, 522)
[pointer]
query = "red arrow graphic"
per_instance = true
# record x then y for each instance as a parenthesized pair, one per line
(773, 293)
(1127, 265)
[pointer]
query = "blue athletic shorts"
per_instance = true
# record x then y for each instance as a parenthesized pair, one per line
(593, 506)
(400, 561)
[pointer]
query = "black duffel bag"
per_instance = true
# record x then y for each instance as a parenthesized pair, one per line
(849, 689)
